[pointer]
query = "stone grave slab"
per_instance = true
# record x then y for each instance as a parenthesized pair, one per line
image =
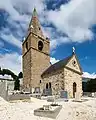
(50, 111)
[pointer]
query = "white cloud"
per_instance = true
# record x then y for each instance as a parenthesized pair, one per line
(1, 44)
(88, 75)
(15, 8)
(18, 11)
(11, 39)
(53, 60)
(58, 41)
(24, 5)
(11, 61)
(75, 19)
(55, 39)
(8, 7)
(53, 44)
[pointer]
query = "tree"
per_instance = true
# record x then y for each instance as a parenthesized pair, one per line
(8, 72)
(20, 75)
(17, 84)
(91, 85)
(0, 71)
(15, 77)
(84, 86)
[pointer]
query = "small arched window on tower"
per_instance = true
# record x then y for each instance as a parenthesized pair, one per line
(40, 45)
(39, 28)
(40, 81)
(26, 45)
(50, 85)
(46, 85)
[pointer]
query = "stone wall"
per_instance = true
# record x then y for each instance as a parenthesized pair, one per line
(70, 77)
(73, 66)
(56, 79)
(63, 80)
(3, 89)
(27, 69)
(35, 62)
(18, 97)
(40, 62)
(10, 85)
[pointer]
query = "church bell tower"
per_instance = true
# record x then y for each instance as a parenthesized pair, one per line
(36, 54)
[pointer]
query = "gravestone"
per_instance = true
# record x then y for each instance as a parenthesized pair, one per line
(37, 90)
(63, 94)
(47, 92)
(3, 89)
(95, 94)
(50, 98)
(77, 96)
(92, 94)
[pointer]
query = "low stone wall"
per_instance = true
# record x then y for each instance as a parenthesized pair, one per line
(3, 90)
(18, 97)
(88, 94)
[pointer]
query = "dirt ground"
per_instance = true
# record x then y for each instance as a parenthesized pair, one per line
(24, 110)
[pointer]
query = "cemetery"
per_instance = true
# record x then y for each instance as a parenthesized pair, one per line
(39, 109)
(45, 90)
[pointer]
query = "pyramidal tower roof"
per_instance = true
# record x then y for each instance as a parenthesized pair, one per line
(34, 25)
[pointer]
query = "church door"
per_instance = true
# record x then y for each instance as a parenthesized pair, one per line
(74, 89)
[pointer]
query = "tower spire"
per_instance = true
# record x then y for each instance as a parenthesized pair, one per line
(35, 12)
(34, 25)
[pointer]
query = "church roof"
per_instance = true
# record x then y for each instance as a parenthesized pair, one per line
(57, 65)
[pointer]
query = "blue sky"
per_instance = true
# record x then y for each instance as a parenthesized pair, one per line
(67, 23)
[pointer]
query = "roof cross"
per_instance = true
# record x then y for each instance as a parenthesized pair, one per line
(73, 49)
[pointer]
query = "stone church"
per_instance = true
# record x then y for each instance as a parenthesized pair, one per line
(38, 73)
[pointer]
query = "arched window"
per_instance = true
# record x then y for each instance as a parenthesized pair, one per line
(47, 86)
(40, 45)
(40, 81)
(39, 28)
(74, 62)
(27, 45)
(74, 89)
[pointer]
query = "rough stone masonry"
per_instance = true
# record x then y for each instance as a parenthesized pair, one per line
(39, 75)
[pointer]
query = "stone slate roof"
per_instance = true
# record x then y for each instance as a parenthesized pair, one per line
(57, 65)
